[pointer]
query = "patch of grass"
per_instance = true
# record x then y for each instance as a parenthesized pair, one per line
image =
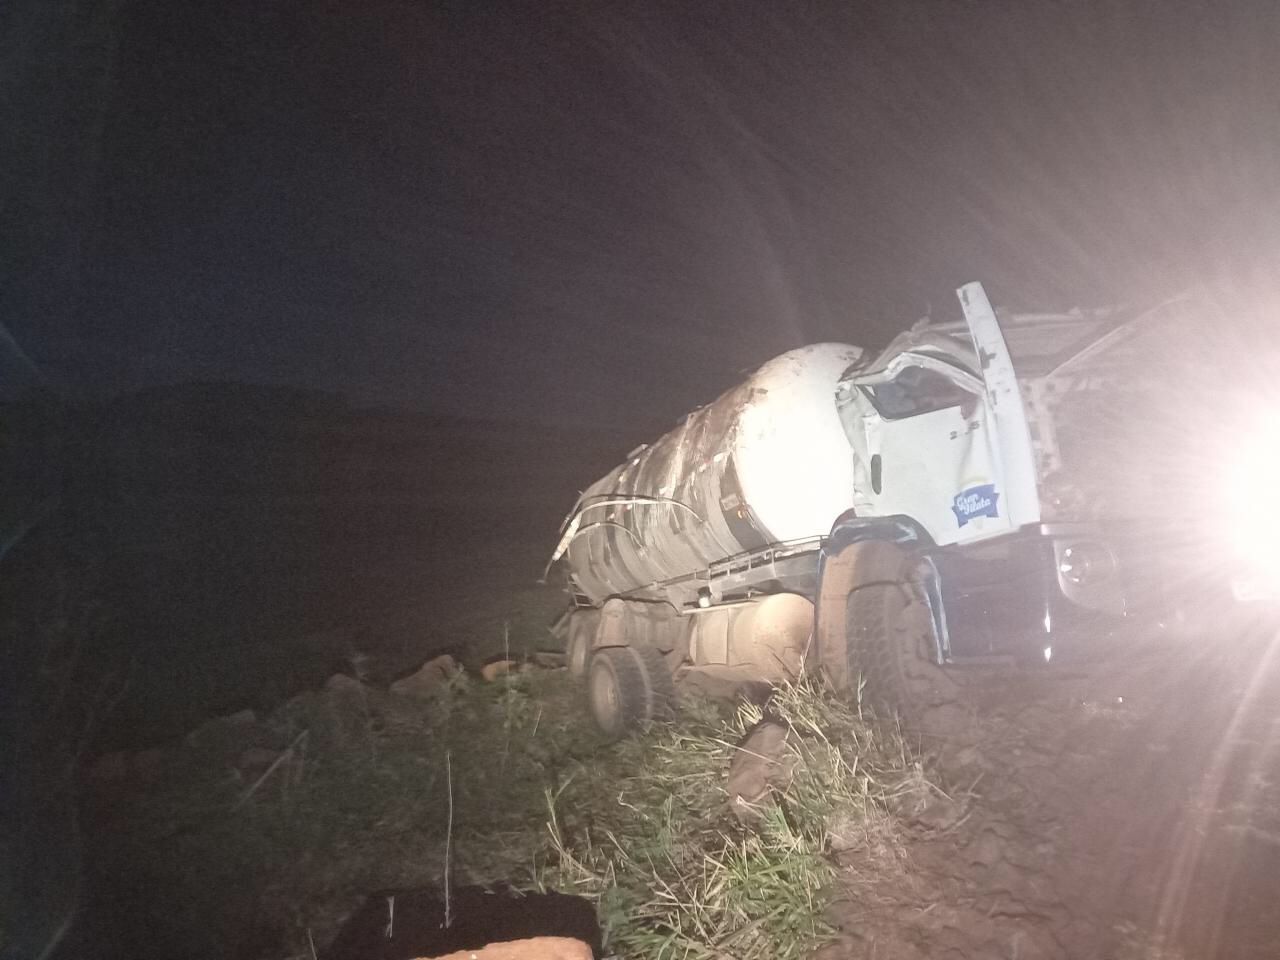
(362, 808)
(677, 876)
(539, 801)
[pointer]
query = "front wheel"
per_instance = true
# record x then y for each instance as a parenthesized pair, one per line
(890, 642)
(628, 686)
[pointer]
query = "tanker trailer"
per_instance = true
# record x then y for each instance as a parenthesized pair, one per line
(787, 525)
(700, 551)
(802, 520)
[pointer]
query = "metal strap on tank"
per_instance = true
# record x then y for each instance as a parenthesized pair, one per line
(572, 527)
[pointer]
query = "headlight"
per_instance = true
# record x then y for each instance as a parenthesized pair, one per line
(1084, 562)
(1251, 494)
(1087, 575)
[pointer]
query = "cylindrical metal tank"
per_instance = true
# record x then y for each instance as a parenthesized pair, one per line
(766, 463)
(770, 635)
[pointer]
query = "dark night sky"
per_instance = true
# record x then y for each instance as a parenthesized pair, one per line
(603, 212)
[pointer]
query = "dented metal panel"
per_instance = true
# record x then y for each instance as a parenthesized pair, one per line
(723, 483)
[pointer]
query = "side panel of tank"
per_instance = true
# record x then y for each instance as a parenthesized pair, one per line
(632, 544)
(777, 434)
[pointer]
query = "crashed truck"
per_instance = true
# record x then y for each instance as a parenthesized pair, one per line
(980, 491)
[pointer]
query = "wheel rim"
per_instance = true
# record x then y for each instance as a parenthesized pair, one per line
(605, 698)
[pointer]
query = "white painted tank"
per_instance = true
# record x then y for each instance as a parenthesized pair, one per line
(770, 636)
(766, 463)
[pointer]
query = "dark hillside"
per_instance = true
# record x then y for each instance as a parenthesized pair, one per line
(227, 540)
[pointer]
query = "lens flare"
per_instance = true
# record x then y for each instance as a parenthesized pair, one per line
(1251, 498)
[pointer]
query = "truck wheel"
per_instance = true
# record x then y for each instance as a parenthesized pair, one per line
(582, 634)
(890, 643)
(627, 686)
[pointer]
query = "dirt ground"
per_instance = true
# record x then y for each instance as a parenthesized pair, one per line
(1122, 806)
(1125, 805)
(1129, 808)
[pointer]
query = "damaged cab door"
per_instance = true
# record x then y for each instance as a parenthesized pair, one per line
(939, 434)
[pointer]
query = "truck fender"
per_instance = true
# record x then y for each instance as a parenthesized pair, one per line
(611, 630)
(838, 575)
(850, 528)
(626, 623)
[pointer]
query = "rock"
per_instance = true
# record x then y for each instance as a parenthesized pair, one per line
(760, 763)
(343, 681)
(221, 728)
(937, 813)
(536, 948)
(550, 660)
(498, 668)
(110, 767)
(428, 679)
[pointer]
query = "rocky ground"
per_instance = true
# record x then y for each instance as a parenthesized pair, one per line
(1127, 808)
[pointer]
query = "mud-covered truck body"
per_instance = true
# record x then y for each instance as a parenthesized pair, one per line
(976, 490)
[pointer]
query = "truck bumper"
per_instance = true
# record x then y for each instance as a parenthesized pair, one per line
(1058, 586)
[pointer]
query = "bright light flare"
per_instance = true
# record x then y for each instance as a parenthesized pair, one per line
(1251, 501)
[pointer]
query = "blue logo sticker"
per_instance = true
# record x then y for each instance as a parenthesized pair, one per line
(979, 501)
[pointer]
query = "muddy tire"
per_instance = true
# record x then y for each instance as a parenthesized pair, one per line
(627, 687)
(583, 625)
(890, 642)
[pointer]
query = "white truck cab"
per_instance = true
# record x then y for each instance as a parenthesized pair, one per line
(938, 432)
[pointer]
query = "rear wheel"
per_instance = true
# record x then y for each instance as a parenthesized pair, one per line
(627, 686)
(890, 641)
